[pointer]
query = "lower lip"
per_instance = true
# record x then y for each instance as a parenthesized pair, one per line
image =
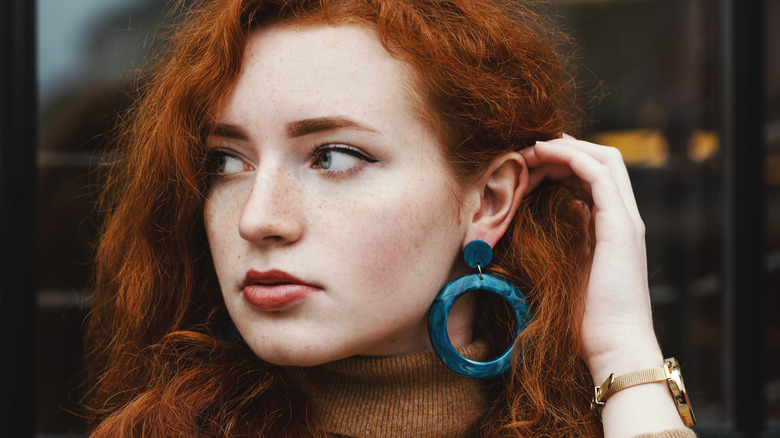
(279, 297)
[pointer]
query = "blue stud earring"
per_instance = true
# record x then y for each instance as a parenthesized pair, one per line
(477, 255)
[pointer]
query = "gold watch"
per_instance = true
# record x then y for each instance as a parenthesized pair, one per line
(670, 372)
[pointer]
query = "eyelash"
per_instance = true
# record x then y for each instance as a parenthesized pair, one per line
(212, 159)
(316, 153)
(318, 149)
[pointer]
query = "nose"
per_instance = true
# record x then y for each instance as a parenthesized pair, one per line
(272, 214)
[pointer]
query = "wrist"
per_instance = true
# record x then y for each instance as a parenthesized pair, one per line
(640, 391)
(625, 359)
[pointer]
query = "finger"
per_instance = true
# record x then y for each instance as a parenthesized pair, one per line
(547, 171)
(613, 210)
(613, 160)
(553, 171)
(531, 160)
(609, 156)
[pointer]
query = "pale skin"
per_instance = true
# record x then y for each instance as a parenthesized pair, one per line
(276, 209)
(617, 329)
(376, 234)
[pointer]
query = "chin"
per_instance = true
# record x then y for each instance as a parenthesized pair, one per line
(303, 356)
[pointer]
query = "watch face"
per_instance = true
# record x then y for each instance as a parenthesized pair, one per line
(677, 387)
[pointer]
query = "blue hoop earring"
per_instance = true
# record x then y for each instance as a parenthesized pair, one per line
(477, 255)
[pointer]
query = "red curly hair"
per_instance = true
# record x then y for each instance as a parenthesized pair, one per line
(490, 80)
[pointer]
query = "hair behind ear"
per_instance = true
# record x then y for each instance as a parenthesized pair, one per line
(542, 253)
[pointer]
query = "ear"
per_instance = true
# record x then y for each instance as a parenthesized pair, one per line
(496, 197)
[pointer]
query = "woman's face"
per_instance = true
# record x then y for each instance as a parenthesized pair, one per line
(333, 221)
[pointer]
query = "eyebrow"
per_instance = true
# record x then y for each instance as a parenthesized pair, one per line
(229, 131)
(310, 126)
(298, 128)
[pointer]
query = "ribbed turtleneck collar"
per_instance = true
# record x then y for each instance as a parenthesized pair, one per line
(400, 396)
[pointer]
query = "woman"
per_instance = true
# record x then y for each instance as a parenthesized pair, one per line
(323, 164)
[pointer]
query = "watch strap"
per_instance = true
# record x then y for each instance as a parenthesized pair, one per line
(614, 384)
(670, 373)
(635, 378)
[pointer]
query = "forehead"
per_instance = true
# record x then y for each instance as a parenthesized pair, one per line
(321, 68)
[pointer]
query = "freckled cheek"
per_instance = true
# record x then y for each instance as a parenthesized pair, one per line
(208, 219)
(220, 217)
(396, 241)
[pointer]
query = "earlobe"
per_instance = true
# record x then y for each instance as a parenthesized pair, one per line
(500, 191)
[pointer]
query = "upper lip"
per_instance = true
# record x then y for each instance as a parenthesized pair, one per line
(271, 278)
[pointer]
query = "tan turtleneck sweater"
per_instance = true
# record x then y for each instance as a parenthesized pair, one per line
(401, 396)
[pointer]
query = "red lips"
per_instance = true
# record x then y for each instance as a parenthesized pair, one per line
(275, 290)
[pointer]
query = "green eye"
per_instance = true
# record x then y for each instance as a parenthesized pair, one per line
(336, 158)
(326, 160)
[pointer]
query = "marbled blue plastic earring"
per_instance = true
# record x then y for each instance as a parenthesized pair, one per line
(477, 255)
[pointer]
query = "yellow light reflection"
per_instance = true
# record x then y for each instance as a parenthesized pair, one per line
(640, 147)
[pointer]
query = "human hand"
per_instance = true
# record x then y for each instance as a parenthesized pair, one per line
(617, 332)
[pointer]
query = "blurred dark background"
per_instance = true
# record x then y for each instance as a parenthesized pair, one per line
(689, 90)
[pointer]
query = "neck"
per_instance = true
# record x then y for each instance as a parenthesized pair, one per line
(413, 395)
